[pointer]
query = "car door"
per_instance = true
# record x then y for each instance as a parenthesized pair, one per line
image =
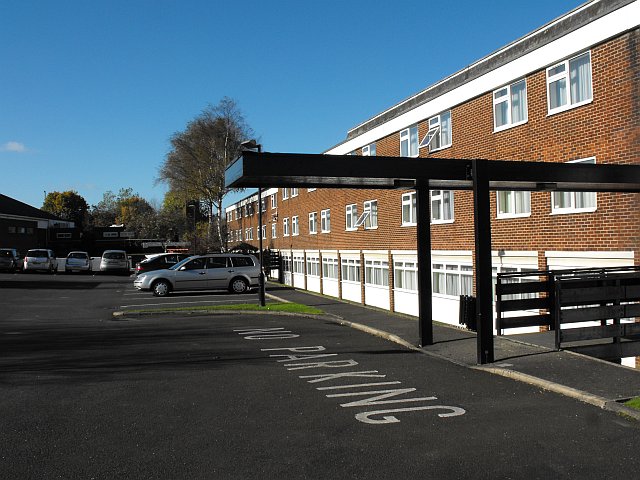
(218, 272)
(192, 275)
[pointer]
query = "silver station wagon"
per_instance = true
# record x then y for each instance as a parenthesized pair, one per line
(218, 271)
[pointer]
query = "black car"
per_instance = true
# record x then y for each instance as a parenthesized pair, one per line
(158, 262)
(10, 259)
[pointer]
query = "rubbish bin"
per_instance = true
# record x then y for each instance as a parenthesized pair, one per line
(467, 315)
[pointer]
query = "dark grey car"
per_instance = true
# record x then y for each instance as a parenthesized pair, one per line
(10, 259)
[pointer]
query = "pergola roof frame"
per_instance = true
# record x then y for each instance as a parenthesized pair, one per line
(264, 170)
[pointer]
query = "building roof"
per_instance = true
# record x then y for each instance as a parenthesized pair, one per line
(15, 208)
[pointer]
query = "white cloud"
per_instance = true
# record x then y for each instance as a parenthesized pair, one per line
(13, 147)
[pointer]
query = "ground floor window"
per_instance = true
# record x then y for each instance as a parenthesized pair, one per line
(330, 268)
(376, 272)
(298, 264)
(286, 263)
(452, 279)
(313, 266)
(350, 270)
(406, 275)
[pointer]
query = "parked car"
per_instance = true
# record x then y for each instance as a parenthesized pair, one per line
(77, 262)
(114, 261)
(160, 261)
(234, 272)
(40, 259)
(10, 259)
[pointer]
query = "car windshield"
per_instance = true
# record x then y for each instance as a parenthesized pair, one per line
(179, 264)
(77, 255)
(114, 256)
(37, 253)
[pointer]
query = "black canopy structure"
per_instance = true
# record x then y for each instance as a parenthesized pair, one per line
(265, 170)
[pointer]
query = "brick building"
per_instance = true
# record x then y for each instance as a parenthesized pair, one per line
(567, 92)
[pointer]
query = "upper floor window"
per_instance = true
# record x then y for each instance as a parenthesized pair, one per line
(441, 206)
(294, 192)
(285, 227)
(285, 193)
(574, 202)
(351, 216)
(439, 134)
(274, 201)
(263, 204)
(409, 211)
(513, 204)
(370, 214)
(263, 232)
(273, 230)
(510, 105)
(325, 221)
(569, 83)
(295, 226)
(409, 142)
(313, 223)
(369, 150)
(311, 189)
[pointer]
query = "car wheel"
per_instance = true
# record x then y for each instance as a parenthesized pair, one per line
(161, 288)
(238, 285)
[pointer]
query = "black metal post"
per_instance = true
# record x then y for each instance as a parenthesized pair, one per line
(261, 281)
(423, 232)
(483, 273)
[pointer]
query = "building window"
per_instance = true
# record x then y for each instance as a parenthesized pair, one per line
(110, 235)
(369, 150)
(569, 83)
(350, 270)
(351, 216)
(263, 232)
(406, 275)
(313, 266)
(409, 142)
(249, 233)
(273, 230)
(439, 134)
(313, 223)
(294, 192)
(325, 221)
(574, 202)
(409, 211)
(376, 272)
(452, 279)
(285, 193)
(286, 263)
(513, 204)
(274, 201)
(298, 265)
(311, 189)
(441, 206)
(285, 227)
(370, 214)
(263, 203)
(63, 235)
(295, 226)
(11, 229)
(330, 268)
(510, 105)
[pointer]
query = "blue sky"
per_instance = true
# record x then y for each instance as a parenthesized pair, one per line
(91, 91)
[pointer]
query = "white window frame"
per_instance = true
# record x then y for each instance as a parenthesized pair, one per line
(506, 98)
(409, 200)
(409, 142)
(435, 133)
(274, 201)
(325, 221)
(330, 268)
(294, 192)
(263, 232)
(509, 210)
(405, 275)
(285, 227)
(447, 279)
(295, 226)
(369, 150)
(249, 233)
(274, 229)
(565, 76)
(555, 210)
(351, 216)
(285, 193)
(439, 197)
(313, 266)
(376, 273)
(370, 208)
(313, 223)
(298, 264)
(351, 271)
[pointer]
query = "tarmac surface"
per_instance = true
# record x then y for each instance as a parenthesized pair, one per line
(530, 358)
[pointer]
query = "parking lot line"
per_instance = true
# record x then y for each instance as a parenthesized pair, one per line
(180, 303)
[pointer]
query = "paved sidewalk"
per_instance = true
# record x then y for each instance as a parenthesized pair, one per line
(527, 358)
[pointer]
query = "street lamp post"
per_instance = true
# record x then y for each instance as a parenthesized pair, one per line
(195, 236)
(253, 145)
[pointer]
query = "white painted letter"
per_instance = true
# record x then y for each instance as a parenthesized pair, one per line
(334, 364)
(365, 417)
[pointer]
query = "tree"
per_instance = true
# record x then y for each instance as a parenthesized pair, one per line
(200, 154)
(68, 206)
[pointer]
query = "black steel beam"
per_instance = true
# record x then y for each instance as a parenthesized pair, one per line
(423, 231)
(483, 273)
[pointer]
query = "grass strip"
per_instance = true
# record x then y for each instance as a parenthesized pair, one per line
(634, 403)
(246, 307)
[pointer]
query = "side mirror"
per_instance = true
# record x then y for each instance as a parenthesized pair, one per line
(182, 268)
